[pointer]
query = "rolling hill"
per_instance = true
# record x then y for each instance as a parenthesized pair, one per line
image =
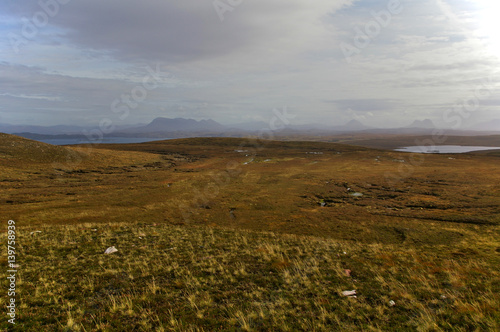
(19, 149)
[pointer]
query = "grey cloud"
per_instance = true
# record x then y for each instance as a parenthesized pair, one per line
(177, 31)
(30, 90)
(19, 80)
(490, 102)
(264, 55)
(465, 65)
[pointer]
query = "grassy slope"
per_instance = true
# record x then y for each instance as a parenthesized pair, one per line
(15, 150)
(186, 278)
(433, 233)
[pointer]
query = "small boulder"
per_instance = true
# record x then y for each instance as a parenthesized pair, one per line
(110, 250)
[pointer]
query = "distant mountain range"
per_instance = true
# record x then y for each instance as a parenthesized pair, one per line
(353, 125)
(180, 127)
(50, 130)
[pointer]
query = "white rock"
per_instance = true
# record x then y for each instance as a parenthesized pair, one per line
(110, 250)
(349, 293)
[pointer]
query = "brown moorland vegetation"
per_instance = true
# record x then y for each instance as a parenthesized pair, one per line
(240, 234)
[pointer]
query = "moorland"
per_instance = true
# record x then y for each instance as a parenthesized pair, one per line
(253, 235)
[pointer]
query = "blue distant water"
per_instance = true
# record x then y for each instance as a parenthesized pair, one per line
(445, 149)
(106, 140)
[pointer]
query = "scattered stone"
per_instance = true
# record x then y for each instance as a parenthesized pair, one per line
(110, 250)
(349, 293)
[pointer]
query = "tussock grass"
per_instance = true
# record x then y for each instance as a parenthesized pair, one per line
(169, 278)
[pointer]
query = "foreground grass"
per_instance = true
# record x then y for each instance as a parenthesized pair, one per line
(169, 278)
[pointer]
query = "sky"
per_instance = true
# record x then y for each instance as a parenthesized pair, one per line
(384, 63)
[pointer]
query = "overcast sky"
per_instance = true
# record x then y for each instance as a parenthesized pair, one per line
(383, 62)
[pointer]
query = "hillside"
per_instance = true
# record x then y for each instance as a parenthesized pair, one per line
(426, 124)
(239, 234)
(18, 149)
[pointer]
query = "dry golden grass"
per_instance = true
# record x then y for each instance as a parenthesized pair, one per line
(172, 278)
(212, 239)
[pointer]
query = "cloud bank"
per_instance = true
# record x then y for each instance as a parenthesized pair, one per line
(235, 61)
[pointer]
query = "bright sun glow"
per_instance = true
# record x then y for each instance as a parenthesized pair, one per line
(489, 24)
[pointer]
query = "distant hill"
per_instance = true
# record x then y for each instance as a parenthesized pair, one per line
(18, 149)
(424, 124)
(42, 130)
(54, 130)
(354, 125)
(162, 127)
